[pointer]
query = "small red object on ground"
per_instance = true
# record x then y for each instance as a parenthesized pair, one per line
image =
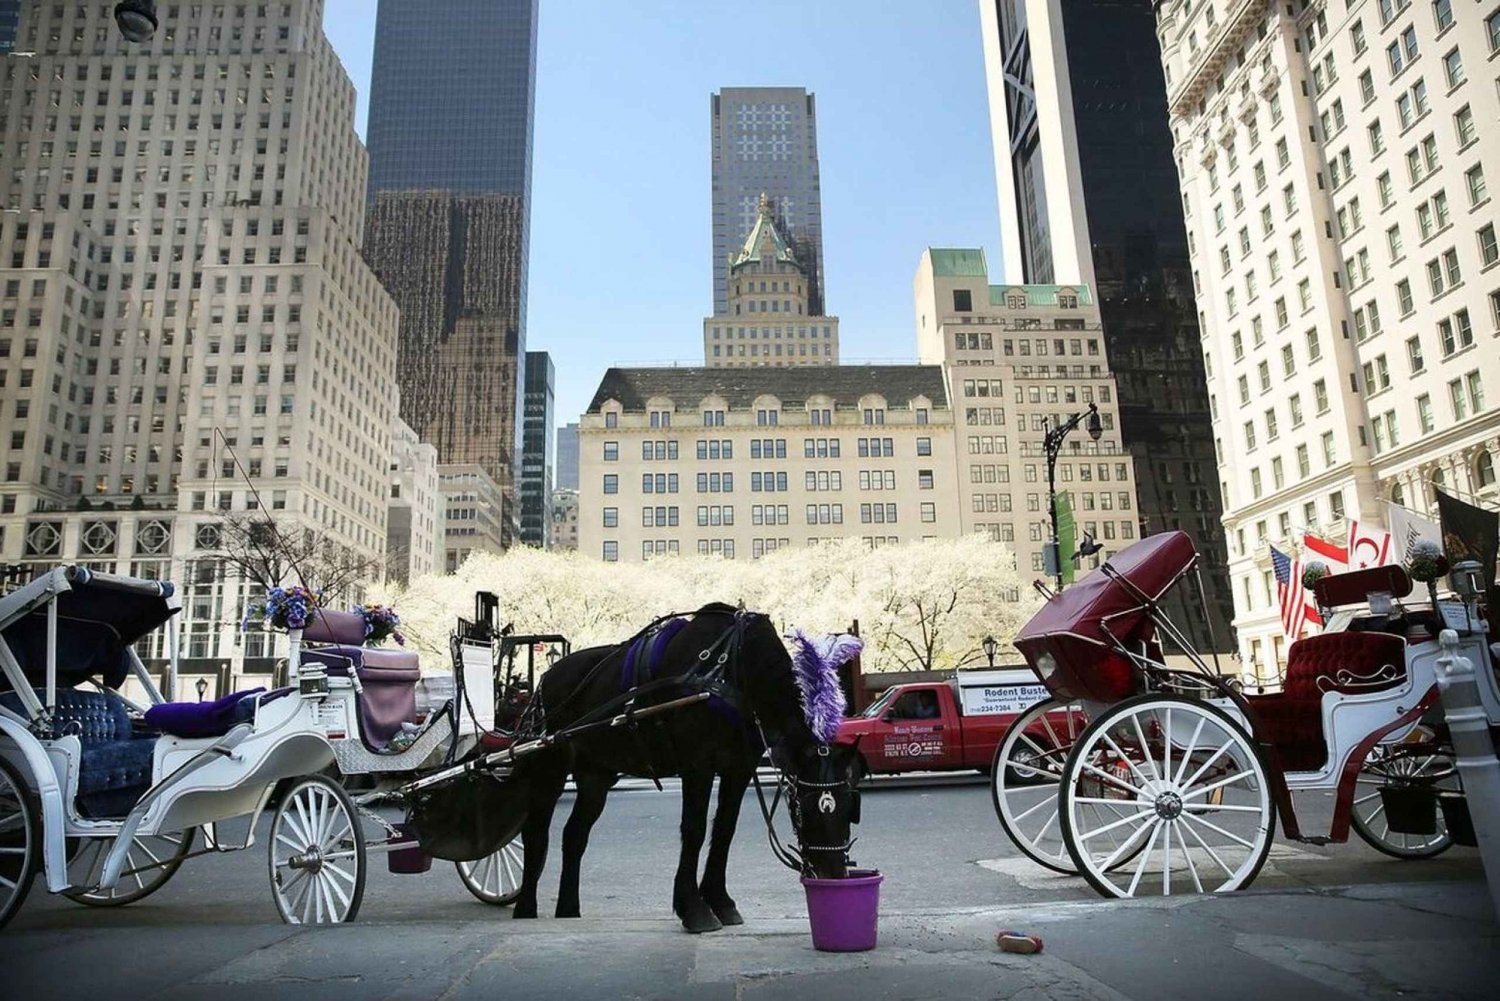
(1018, 942)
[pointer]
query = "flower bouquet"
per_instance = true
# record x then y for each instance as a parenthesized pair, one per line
(381, 623)
(1426, 562)
(285, 608)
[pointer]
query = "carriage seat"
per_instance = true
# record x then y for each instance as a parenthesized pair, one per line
(115, 768)
(389, 679)
(1352, 663)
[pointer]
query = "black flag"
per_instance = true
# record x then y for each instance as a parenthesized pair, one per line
(1471, 533)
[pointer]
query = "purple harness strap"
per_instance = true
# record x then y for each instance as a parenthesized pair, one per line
(644, 655)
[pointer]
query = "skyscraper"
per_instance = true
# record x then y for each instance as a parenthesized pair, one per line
(1342, 231)
(567, 457)
(765, 141)
(536, 450)
(453, 89)
(1088, 194)
(188, 341)
(10, 18)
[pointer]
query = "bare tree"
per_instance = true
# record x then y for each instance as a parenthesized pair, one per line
(268, 553)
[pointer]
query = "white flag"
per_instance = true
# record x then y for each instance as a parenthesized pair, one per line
(1407, 529)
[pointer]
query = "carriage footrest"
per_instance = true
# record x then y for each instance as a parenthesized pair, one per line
(1313, 839)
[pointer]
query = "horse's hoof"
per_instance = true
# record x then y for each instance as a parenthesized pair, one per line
(523, 911)
(727, 914)
(567, 912)
(699, 921)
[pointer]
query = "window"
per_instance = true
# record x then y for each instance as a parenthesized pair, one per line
(1463, 126)
(1492, 31)
(1393, 243)
(611, 552)
(924, 446)
(611, 451)
(1455, 333)
(962, 301)
(1403, 297)
(1453, 67)
(929, 512)
(611, 517)
(1458, 399)
(1443, 272)
(1424, 413)
(1474, 179)
(1385, 190)
(1442, 13)
(1489, 252)
(611, 483)
(1414, 354)
(1320, 396)
(1330, 449)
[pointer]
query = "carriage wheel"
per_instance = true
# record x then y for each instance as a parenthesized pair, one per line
(20, 840)
(317, 853)
(1395, 765)
(494, 879)
(1024, 779)
(150, 861)
(1192, 797)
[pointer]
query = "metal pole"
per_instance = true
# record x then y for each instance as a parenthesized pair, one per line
(1052, 450)
(1474, 752)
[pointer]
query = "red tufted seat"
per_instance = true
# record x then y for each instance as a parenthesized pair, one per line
(1292, 721)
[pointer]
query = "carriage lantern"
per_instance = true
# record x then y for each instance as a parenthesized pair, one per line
(990, 646)
(202, 687)
(136, 19)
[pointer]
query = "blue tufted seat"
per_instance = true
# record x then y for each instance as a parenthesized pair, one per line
(115, 769)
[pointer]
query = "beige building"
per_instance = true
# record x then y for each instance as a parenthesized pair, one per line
(768, 320)
(415, 511)
(741, 463)
(1335, 164)
(475, 513)
(187, 331)
(564, 514)
(1019, 359)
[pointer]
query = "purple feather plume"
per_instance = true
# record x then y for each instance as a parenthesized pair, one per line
(815, 666)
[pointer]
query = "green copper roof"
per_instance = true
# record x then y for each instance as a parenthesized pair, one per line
(1041, 295)
(751, 250)
(960, 262)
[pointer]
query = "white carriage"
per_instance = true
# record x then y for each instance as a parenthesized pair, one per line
(1146, 779)
(106, 799)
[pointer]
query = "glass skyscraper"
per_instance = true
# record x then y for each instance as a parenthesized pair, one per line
(1089, 193)
(765, 140)
(10, 23)
(452, 95)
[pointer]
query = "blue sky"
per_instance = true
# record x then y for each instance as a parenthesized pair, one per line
(620, 245)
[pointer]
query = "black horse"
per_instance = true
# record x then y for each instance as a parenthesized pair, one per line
(696, 742)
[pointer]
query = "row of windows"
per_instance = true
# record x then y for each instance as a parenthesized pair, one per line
(760, 448)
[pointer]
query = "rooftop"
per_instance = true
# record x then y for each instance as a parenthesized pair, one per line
(739, 387)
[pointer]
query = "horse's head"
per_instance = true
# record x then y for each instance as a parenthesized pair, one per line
(823, 799)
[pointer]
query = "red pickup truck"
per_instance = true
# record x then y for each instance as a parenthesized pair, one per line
(942, 725)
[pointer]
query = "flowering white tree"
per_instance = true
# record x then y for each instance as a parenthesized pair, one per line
(920, 605)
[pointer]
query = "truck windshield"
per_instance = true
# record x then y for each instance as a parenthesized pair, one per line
(879, 705)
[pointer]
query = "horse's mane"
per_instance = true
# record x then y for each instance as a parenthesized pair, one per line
(815, 667)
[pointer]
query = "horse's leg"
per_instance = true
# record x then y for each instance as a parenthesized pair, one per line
(547, 774)
(593, 790)
(732, 787)
(687, 903)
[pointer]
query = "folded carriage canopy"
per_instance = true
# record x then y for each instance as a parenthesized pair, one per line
(1069, 642)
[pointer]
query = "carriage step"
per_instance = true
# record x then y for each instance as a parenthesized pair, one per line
(1316, 839)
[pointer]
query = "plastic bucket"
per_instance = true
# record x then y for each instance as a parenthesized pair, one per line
(1410, 809)
(844, 913)
(408, 861)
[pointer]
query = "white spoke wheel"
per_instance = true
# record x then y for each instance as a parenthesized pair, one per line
(1396, 765)
(317, 853)
(1186, 793)
(1025, 776)
(494, 879)
(20, 840)
(150, 861)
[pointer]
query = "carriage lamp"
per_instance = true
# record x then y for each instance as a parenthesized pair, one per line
(202, 686)
(136, 19)
(1052, 444)
(553, 655)
(990, 646)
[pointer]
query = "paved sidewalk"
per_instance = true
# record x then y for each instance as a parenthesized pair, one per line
(1432, 940)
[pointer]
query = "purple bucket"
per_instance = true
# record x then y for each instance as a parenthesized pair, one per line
(408, 861)
(844, 913)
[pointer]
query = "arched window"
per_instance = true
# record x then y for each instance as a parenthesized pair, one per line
(1398, 494)
(1484, 470)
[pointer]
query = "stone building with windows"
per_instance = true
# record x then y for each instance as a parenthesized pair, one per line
(1335, 163)
(768, 319)
(188, 334)
(414, 513)
(1019, 359)
(741, 462)
(477, 515)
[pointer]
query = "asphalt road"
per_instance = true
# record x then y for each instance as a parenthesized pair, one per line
(940, 846)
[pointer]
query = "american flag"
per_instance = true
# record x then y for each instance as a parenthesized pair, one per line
(1291, 596)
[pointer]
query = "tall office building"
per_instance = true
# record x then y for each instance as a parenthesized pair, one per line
(10, 22)
(765, 141)
(1334, 166)
(536, 450)
(188, 335)
(1088, 195)
(453, 88)
(567, 457)
(1020, 359)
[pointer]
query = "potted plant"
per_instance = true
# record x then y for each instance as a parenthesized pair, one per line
(285, 608)
(1425, 562)
(381, 623)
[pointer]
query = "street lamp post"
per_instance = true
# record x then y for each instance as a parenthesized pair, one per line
(1052, 444)
(136, 19)
(202, 687)
(990, 646)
